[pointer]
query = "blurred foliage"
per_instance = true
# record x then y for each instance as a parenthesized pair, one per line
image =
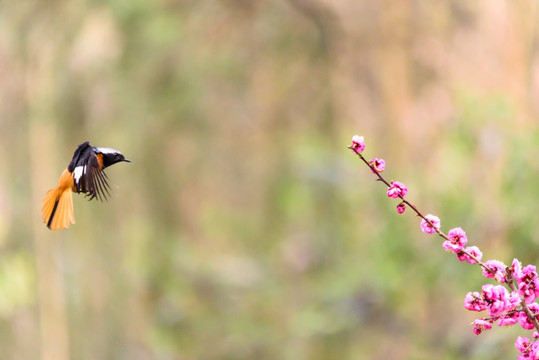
(244, 228)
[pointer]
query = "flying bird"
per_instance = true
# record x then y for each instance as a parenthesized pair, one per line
(83, 175)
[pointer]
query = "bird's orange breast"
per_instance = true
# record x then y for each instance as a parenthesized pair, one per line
(99, 160)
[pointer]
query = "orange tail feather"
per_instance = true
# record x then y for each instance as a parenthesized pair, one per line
(58, 209)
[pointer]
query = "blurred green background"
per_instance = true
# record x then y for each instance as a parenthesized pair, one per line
(244, 228)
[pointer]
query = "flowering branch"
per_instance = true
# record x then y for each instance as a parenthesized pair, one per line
(429, 220)
(506, 307)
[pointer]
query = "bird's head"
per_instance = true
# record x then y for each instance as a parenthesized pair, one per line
(110, 156)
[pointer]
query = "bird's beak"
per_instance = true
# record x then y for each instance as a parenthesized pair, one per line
(127, 160)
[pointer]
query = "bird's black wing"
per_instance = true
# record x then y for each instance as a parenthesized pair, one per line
(91, 179)
(80, 156)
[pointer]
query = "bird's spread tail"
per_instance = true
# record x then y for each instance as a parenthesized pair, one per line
(58, 208)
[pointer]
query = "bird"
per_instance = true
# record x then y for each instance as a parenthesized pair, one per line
(84, 174)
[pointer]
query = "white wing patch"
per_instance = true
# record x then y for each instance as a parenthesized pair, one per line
(77, 173)
(103, 150)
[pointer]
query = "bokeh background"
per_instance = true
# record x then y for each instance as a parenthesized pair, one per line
(244, 228)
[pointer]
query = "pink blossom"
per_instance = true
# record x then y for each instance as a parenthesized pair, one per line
(401, 207)
(474, 250)
(474, 302)
(358, 143)
(497, 299)
(528, 350)
(428, 228)
(509, 319)
(528, 283)
(527, 272)
(514, 301)
(516, 268)
(457, 240)
(481, 325)
(531, 354)
(498, 269)
(377, 165)
(397, 189)
(525, 322)
(522, 344)
(529, 293)
(534, 308)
